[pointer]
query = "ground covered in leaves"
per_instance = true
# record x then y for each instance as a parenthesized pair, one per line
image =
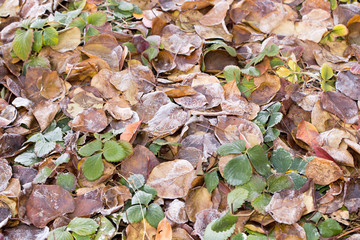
(179, 119)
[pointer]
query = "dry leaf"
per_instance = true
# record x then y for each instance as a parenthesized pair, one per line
(323, 171)
(164, 231)
(197, 200)
(90, 120)
(176, 212)
(69, 39)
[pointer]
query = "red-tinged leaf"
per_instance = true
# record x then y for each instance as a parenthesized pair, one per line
(164, 231)
(130, 131)
(319, 152)
(355, 69)
(307, 133)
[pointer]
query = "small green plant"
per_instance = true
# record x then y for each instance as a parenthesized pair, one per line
(326, 75)
(337, 31)
(291, 73)
(140, 207)
(246, 86)
(269, 51)
(78, 228)
(102, 147)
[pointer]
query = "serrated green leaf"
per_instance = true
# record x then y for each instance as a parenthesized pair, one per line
(311, 231)
(211, 180)
(79, 23)
(256, 59)
(299, 165)
(154, 215)
(259, 160)
(261, 202)
(239, 236)
(125, 6)
(136, 181)
(326, 72)
(212, 235)
(22, 43)
(224, 223)
(271, 50)
(135, 213)
(232, 72)
(106, 230)
(113, 152)
(236, 147)
(278, 182)
(60, 234)
(276, 62)
(150, 190)
(38, 41)
(255, 187)
(64, 158)
(42, 175)
(238, 170)
(271, 134)
(141, 197)
(246, 87)
(91, 32)
(90, 148)
(54, 135)
(97, 19)
(262, 117)
(38, 23)
(236, 198)
(79, 237)
(83, 226)
(275, 119)
(67, 181)
(44, 147)
(127, 147)
(251, 71)
(274, 107)
(298, 180)
(281, 160)
(93, 167)
(329, 228)
(27, 159)
(230, 50)
(50, 36)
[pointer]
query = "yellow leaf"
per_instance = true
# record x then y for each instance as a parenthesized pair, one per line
(339, 30)
(293, 66)
(283, 72)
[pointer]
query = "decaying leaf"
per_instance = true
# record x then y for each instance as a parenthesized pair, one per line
(90, 120)
(323, 171)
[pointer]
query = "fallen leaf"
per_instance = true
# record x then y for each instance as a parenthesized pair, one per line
(197, 200)
(216, 15)
(139, 230)
(69, 39)
(164, 231)
(176, 212)
(90, 120)
(323, 171)
(45, 112)
(6, 173)
(130, 131)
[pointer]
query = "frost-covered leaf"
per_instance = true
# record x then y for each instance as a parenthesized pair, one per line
(83, 226)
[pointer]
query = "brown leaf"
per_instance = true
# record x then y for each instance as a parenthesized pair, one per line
(340, 105)
(118, 108)
(216, 15)
(286, 206)
(352, 198)
(141, 162)
(185, 63)
(290, 232)
(267, 86)
(24, 231)
(140, 230)
(217, 60)
(307, 133)
(151, 103)
(46, 203)
(58, 60)
(164, 231)
(51, 86)
(130, 131)
(69, 39)
(10, 143)
(197, 200)
(88, 202)
(180, 91)
(203, 218)
(115, 197)
(6, 173)
(167, 120)
(8, 113)
(176, 212)
(45, 112)
(349, 84)
(106, 47)
(164, 62)
(101, 81)
(90, 120)
(172, 179)
(323, 171)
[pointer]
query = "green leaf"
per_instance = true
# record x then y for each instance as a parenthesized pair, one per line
(278, 182)
(22, 43)
(255, 186)
(93, 167)
(275, 119)
(311, 231)
(91, 32)
(135, 213)
(78, 237)
(125, 6)
(54, 135)
(151, 53)
(224, 223)
(298, 180)
(212, 235)
(90, 148)
(236, 198)
(64, 158)
(261, 202)
(281, 160)
(231, 51)
(83, 226)
(97, 19)
(136, 181)
(38, 61)
(43, 148)
(236, 147)
(271, 134)
(238, 170)
(59, 234)
(329, 228)
(50, 36)
(127, 147)
(27, 159)
(79, 23)
(299, 165)
(246, 87)
(333, 4)
(154, 215)
(42, 175)
(276, 62)
(130, 46)
(239, 236)
(141, 197)
(37, 45)
(274, 107)
(39, 23)
(150, 190)
(262, 117)
(113, 152)
(259, 160)
(339, 30)
(251, 71)
(211, 180)
(271, 50)
(232, 72)
(326, 72)
(67, 181)
(106, 230)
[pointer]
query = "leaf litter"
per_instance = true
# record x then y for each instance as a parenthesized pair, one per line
(176, 119)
